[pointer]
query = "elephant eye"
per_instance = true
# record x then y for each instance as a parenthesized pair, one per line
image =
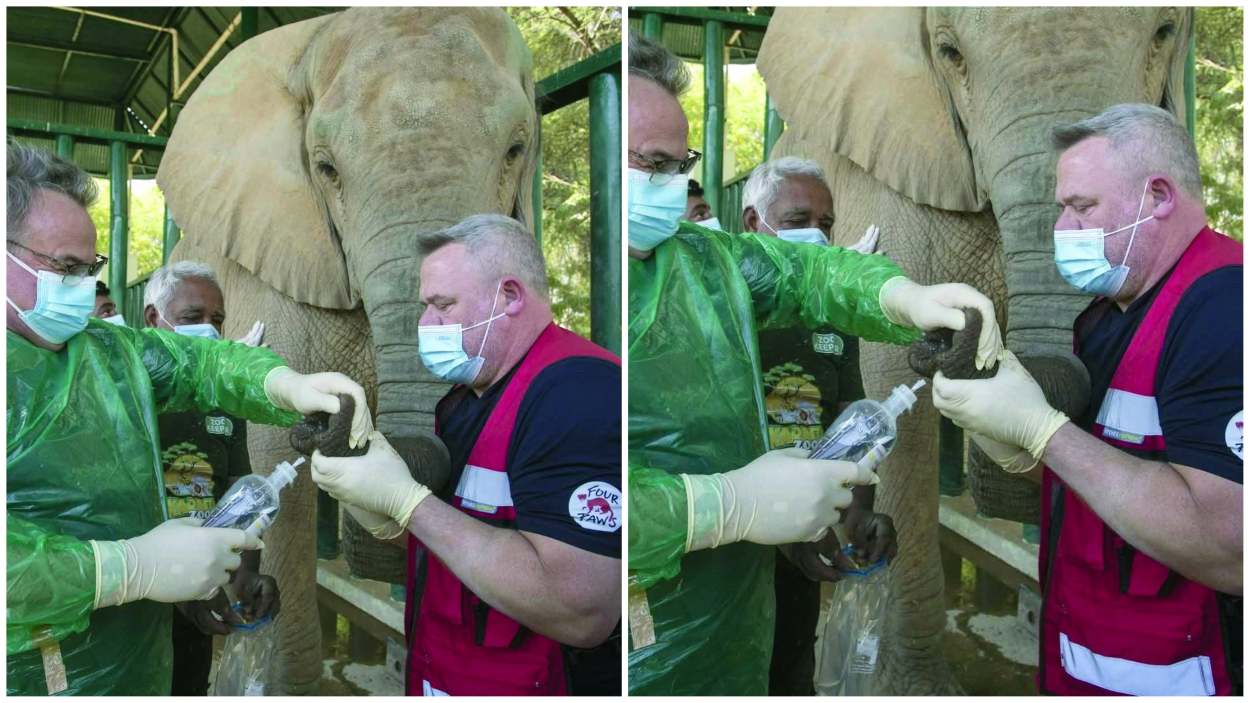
(950, 53)
(515, 151)
(1167, 30)
(328, 171)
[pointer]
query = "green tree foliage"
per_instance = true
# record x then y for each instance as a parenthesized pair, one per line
(1219, 116)
(744, 118)
(559, 37)
(147, 224)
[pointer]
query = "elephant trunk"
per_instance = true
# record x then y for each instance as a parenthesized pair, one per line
(407, 393)
(1041, 306)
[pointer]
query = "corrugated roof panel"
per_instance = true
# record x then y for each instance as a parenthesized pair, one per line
(37, 68)
(94, 78)
(42, 22)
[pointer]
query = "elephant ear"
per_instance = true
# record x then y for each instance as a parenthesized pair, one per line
(858, 82)
(1173, 99)
(235, 174)
(523, 200)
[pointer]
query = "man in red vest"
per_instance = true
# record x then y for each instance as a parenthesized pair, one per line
(1141, 565)
(522, 571)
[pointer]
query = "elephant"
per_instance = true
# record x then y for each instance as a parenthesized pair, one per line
(935, 123)
(303, 170)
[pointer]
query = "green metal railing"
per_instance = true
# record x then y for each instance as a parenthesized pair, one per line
(597, 79)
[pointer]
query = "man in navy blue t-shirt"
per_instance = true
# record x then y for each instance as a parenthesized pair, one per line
(1142, 556)
(522, 571)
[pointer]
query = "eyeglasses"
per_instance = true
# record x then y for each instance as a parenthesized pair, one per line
(71, 274)
(663, 170)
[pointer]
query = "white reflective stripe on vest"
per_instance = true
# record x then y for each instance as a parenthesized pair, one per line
(1130, 412)
(1188, 677)
(429, 691)
(484, 487)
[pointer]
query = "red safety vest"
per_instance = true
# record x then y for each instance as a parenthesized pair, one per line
(459, 645)
(1113, 619)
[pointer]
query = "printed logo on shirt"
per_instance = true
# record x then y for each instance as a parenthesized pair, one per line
(596, 506)
(188, 481)
(829, 343)
(218, 424)
(1234, 435)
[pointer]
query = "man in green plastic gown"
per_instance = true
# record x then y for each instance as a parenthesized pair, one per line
(707, 500)
(93, 564)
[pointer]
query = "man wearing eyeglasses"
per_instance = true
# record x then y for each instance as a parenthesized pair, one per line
(708, 502)
(92, 561)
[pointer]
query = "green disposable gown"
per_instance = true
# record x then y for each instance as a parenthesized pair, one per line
(696, 406)
(84, 464)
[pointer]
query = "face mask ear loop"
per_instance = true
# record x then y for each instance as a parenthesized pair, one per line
(774, 229)
(490, 321)
(1133, 236)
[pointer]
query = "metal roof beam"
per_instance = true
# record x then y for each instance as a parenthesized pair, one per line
(104, 52)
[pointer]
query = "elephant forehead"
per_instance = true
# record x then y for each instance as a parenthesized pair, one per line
(1046, 21)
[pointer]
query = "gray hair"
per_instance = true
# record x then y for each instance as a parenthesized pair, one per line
(164, 281)
(31, 170)
(765, 181)
(496, 241)
(652, 61)
(1147, 139)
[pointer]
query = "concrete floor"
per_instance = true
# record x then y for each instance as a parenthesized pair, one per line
(990, 652)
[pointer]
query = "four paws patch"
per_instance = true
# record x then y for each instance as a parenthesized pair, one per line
(596, 505)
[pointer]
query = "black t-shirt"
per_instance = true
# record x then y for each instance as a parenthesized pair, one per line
(1199, 380)
(806, 374)
(566, 444)
(565, 453)
(200, 456)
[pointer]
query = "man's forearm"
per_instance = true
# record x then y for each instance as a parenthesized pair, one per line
(502, 567)
(1150, 505)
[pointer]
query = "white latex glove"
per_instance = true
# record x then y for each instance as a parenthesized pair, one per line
(867, 244)
(175, 561)
(1011, 459)
(779, 498)
(379, 526)
(908, 303)
(318, 392)
(254, 335)
(379, 481)
(1009, 408)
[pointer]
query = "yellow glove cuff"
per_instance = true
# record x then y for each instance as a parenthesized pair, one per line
(1048, 425)
(273, 375)
(407, 503)
(888, 299)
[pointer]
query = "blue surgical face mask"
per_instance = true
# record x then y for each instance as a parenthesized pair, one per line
(805, 235)
(442, 348)
(654, 209)
(203, 329)
(711, 223)
(61, 309)
(115, 320)
(1080, 255)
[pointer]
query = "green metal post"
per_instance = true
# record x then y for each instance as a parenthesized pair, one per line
(537, 196)
(1191, 89)
(773, 126)
(652, 26)
(171, 236)
(248, 20)
(950, 458)
(713, 112)
(119, 216)
(65, 147)
(327, 526)
(605, 211)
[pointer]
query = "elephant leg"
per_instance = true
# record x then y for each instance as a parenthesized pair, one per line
(912, 661)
